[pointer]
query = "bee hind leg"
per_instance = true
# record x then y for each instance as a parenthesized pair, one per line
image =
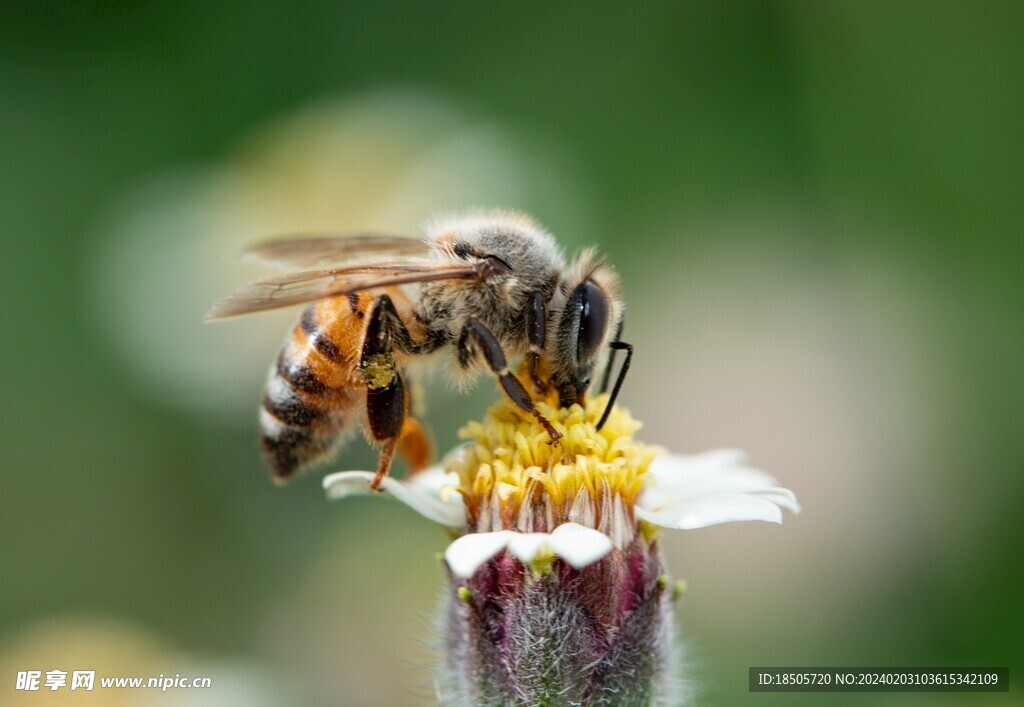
(387, 455)
(385, 412)
(387, 398)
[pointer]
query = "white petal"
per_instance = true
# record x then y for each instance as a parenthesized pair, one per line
(783, 498)
(714, 487)
(711, 508)
(526, 546)
(717, 470)
(467, 554)
(433, 479)
(579, 546)
(420, 496)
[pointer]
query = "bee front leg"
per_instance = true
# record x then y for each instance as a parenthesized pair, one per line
(495, 358)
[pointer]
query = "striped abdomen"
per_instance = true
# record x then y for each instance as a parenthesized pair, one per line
(314, 390)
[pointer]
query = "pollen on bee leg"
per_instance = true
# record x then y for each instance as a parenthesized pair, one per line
(379, 370)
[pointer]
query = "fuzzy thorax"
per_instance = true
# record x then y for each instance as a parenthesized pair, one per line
(512, 477)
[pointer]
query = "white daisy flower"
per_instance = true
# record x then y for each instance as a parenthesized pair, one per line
(557, 588)
(676, 491)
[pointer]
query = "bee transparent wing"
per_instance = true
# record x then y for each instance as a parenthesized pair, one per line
(310, 252)
(298, 288)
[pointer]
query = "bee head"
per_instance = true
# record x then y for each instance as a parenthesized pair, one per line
(590, 314)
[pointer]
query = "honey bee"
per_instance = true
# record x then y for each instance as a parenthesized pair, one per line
(492, 287)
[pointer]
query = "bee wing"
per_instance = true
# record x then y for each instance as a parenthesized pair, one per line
(309, 252)
(298, 288)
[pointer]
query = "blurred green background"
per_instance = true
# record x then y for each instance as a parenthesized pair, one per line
(817, 212)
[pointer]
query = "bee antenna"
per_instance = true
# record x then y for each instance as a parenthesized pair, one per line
(611, 357)
(617, 346)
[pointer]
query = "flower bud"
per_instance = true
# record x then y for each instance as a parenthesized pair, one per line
(555, 598)
(549, 634)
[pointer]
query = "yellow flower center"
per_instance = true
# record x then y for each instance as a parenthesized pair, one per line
(512, 476)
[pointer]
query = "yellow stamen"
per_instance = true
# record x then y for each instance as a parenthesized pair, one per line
(510, 460)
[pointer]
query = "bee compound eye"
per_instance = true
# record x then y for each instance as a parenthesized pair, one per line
(592, 306)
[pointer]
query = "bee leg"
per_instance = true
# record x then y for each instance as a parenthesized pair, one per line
(495, 358)
(386, 399)
(386, 322)
(387, 455)
(387, 396)
(385, 411)
(537, 328)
